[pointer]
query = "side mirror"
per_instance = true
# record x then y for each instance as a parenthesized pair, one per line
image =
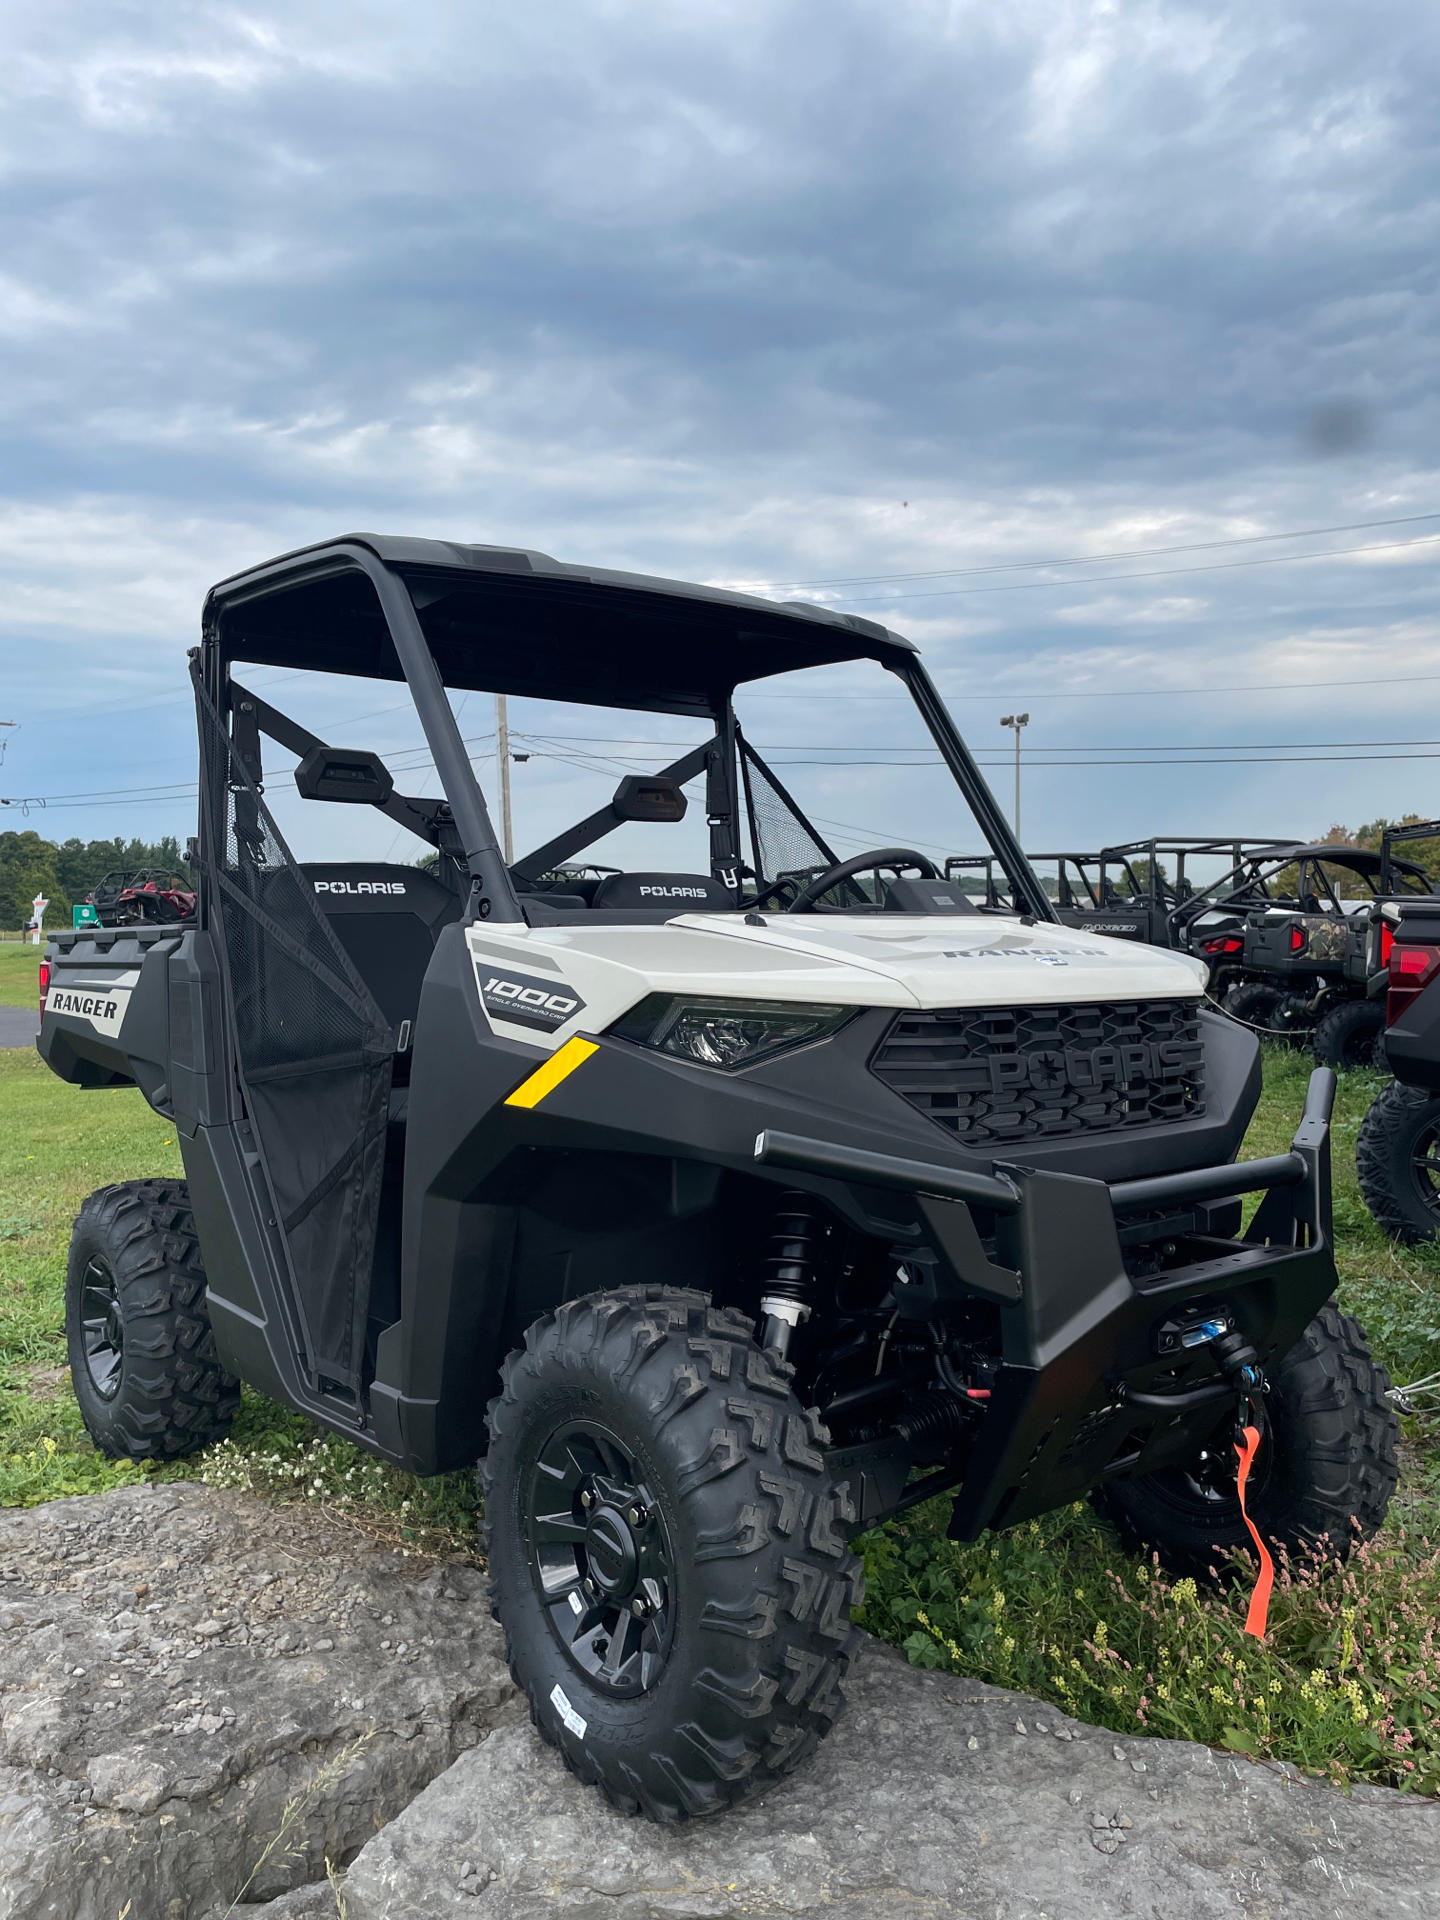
(350, 775)
(649, 796)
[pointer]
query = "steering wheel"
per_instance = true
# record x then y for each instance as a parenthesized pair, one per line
(788, 885)
(886, 857)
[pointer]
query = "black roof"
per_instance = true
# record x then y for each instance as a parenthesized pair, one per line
(510, 620)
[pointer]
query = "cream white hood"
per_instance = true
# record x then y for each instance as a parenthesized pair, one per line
(592, 974)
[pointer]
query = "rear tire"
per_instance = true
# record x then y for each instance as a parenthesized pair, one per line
(1268, 1010)
(650, 1402)
(142, 1356)
(1347, 1035)
(1397, 1159)
(1322, 1481)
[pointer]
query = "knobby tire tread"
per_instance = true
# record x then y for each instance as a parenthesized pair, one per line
(175, 1396)
(1336, 1029)
(1382, 1161)
(764, 1535)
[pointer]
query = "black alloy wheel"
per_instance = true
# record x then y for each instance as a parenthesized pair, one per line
(601, 1558)
(102, 1329)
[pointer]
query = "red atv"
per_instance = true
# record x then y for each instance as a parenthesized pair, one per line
(151, 897)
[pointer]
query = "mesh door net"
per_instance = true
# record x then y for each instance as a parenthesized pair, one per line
(315, 1057)
(782, 839)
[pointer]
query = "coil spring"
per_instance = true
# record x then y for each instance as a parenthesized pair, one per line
(937, 1420)
(790, 1255)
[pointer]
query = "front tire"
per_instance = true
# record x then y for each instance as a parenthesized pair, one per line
(1347, 1035)
(1322, 1481)
(668, 1552)
(1397, 1159)
(142, 1356)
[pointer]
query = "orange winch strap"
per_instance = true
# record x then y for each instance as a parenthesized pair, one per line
(1260, 1599)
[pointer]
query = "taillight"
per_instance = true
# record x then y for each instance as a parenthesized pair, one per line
(1387, 941)
(44, 985)
(1411, 969)
(1297, 939)
(1228, 945)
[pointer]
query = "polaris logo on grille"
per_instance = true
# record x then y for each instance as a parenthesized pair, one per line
(1047, 1068)
(522, 1001)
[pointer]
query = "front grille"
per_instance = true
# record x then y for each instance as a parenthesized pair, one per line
(992, 1076)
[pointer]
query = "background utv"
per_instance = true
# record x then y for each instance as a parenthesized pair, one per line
(758, 1201)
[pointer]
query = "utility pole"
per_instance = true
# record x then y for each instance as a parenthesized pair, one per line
(1016, 721)
(502, 754)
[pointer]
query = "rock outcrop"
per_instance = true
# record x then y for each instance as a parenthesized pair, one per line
(933, 1797)
(203, 1697)
(189, 1677)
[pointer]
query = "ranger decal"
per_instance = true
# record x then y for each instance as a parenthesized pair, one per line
(103, 1006)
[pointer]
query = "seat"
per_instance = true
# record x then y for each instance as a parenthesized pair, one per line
(681, 892)
(388, 919)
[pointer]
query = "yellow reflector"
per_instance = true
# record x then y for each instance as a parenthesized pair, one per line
(561, 1064)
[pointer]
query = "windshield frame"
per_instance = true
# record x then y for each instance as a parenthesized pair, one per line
(237, 628)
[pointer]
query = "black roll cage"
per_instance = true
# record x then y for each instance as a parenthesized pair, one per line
(408, 573)
(1157, 890)
(1251, 875)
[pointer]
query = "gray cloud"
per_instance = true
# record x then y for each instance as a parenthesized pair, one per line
(711, 291)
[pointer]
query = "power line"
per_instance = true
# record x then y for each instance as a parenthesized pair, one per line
(1080, 766)
(1152, 573)
(1091, 559)
(755, 692)
(883, 746)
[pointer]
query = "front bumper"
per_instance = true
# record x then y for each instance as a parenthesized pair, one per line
(1088, 1389)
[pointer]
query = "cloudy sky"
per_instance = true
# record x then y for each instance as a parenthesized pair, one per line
(883, 304)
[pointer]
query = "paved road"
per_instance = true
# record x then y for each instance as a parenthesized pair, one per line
(18, 1026)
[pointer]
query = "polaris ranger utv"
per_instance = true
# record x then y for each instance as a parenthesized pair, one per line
(1131, 891)
(721, 1209)
(1285, 936)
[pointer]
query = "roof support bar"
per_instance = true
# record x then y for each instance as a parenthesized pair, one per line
(586, 832)
(482, 853)
(417, 815)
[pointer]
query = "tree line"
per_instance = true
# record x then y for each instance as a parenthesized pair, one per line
(65, 871)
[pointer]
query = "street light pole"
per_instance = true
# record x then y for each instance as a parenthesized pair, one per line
(1016, 721)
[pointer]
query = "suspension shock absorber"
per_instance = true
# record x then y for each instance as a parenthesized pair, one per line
(789, 1270)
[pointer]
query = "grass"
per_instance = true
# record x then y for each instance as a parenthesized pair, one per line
(57, 1144)
(19, 974)
(1347, 1682)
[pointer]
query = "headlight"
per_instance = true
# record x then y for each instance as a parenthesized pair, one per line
(725, 1033)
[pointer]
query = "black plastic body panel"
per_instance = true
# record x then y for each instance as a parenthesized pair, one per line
(132, 961)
